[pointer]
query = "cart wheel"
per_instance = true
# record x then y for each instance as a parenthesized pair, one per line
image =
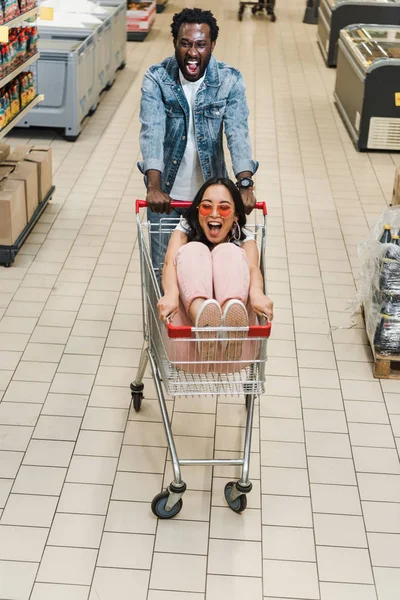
(254, 10)
(240, 15)
(273, 18)
(159, 503)
(7, 265)
(238, 505)
(137, 398)
(137, 395)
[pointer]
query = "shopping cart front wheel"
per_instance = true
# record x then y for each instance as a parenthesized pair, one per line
(159, 504)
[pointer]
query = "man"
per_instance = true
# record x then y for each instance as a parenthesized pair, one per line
(188, 100)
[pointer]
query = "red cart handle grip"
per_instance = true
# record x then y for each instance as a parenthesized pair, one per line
(185, 331)
(181, 204)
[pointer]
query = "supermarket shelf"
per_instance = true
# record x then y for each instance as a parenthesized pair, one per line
(8, 253)
(21, 18)
(18, 70)
(21, 115)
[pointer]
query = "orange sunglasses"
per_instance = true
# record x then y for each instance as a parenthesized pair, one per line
(224, 210)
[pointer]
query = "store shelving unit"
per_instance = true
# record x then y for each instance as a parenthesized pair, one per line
(21, 18)
(19, 69)
(21, 115)
(8, 253)
(22, 67)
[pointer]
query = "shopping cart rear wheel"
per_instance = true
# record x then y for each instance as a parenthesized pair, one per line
(137, 396)
(238, 505)
(159, 503)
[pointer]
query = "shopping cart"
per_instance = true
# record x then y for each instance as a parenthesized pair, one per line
(175, 357)
(256, 7)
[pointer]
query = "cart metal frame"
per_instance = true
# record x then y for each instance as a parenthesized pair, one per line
(174, 354)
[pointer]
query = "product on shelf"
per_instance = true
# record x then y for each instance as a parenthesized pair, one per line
(380, 284)
(15, 96)
(9, 9)
(21, 46)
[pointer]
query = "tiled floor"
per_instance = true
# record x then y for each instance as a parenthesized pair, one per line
(78, 468)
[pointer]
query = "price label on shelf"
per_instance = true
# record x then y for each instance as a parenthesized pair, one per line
(397, 98)
(3, 34)
(46, 13)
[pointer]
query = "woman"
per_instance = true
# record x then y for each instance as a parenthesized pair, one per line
(211, 276)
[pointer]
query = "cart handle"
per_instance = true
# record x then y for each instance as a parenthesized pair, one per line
(255, 331)
(182, 204)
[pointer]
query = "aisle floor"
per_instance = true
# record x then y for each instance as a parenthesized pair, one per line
(78, 468)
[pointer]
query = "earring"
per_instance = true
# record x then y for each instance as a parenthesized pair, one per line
(236, 231)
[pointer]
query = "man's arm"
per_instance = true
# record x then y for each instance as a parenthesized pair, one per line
(152, 135)
(237, 135)
(248, 197)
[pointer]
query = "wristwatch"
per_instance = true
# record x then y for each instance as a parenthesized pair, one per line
(245, 183)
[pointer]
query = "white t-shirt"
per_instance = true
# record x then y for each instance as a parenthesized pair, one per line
(184, 228)
(189, 178)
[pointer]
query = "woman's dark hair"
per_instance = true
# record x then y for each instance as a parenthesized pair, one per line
(195, 15)
(195, 233)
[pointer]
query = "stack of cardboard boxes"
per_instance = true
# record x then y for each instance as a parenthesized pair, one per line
(25, 181)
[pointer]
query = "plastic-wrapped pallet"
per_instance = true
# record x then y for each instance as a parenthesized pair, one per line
(380, 284)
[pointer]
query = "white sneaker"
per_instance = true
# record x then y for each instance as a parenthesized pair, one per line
(209, 315)
(235, 315)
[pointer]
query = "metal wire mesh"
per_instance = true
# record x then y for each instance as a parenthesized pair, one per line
(227, 362)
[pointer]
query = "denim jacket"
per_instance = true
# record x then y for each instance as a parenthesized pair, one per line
(164, 115)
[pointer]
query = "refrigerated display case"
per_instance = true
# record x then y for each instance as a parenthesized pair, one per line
(367, 90)
(334, 15)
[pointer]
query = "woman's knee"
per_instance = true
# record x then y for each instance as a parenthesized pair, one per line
(193, 249)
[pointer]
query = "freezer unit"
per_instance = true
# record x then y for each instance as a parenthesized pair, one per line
(367, 90)
(333, 15)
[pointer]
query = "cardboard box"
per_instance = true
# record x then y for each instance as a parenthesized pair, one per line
(396, 188)
(12, 209)
(28, 173)
(42, 158)
(4, 152)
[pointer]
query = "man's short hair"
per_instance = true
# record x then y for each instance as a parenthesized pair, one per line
(195, 15)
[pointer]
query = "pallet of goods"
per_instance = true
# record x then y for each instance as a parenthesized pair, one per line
(25, 189)
(139, 19)
(380, 293)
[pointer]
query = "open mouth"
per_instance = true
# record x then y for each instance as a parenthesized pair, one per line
(214, 228)
(192, 66)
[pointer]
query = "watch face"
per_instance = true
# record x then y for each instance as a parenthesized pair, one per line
(246, 182)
